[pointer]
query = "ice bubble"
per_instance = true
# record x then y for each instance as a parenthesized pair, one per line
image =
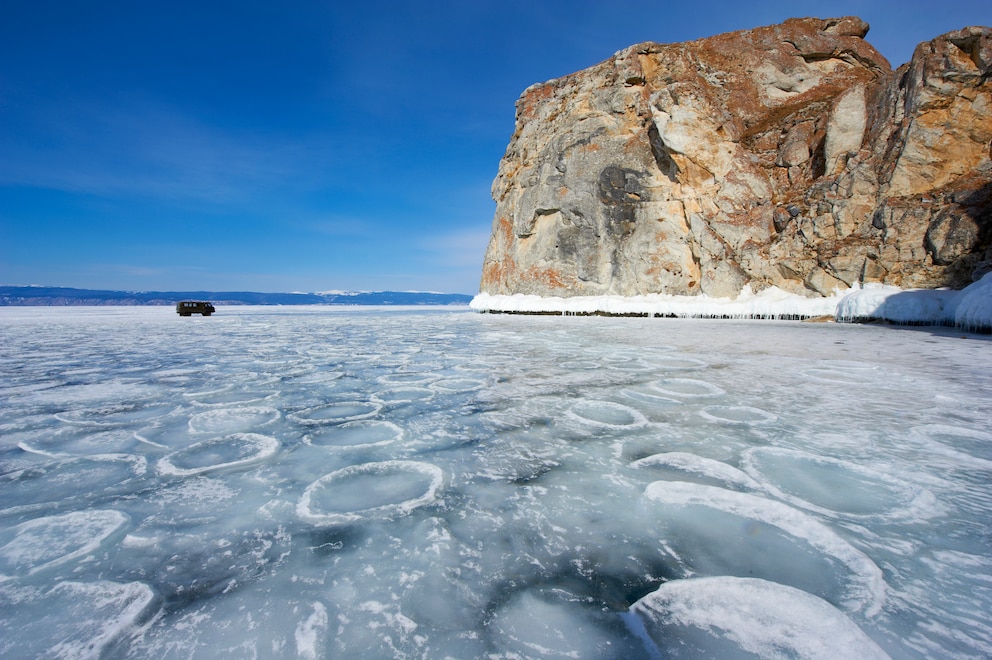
(606, 415)
(687, 387)
(744, 415)
(534, 626)
(359, 434)
(866, 587)
(732, 616)
(378, 490)
(231, 451)
(335, 413)
(43, 543)
(232, 420)
(73, 619)
(699, 466)
(832, 487)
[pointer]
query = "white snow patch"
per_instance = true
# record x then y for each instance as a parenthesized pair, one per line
(970, 308)
(308, 632)
(768, 303)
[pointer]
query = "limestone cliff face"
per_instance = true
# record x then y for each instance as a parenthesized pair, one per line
(789, 155)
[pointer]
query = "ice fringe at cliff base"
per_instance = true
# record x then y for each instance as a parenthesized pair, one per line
(969, 308)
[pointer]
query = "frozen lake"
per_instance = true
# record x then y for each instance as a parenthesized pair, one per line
(328, 483)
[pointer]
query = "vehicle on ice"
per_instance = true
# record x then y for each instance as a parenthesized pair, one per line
(190, 307)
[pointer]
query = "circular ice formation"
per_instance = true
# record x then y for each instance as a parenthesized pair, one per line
(114, 415)
(687, 387)
(728, 616)
(336, 413)
(579, 365)
(606, 415)
(42, 543)
(698, 465)
(837, 376)
(529, 626)
(228, 398)
(235, 450)
(971, 447)
(402, 378)
(742, 415)
(210, 392)
(868, 586)
(458, 385)
(64, 445)
(831, 487)
(355, 435)
(653, 399)
(678, 363)
(634, 365)
(370, 490)
(75, 619)
(404, 395)
(316, 378)
(76, 479)
(232, 420)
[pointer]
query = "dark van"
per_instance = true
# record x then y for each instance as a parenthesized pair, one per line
(190, 307)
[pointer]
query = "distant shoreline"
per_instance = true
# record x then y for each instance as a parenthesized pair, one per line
(40, 296)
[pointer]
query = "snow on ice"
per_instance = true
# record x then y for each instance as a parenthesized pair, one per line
(323, 482)
(970, 308)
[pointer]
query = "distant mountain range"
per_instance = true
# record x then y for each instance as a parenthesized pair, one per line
(58, 296)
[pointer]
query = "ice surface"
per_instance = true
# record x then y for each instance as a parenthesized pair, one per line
(381, 489)
(72, 619)
(323, 482)
(232, 451)
(733, 617)
(42, 543)
(865, 587)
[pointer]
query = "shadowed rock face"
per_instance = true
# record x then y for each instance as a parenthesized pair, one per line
(789, 155)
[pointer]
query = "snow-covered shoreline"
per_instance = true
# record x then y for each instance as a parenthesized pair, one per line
(969, 308)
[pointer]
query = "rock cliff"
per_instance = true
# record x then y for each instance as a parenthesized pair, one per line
(788, 156)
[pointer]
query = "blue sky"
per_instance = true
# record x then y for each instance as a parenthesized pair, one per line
(305, 146)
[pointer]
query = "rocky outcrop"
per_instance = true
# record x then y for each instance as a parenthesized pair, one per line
(788, 156)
